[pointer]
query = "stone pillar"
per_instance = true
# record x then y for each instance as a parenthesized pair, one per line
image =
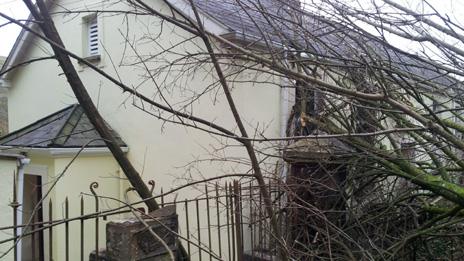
(318, 170)
(3, 113)
(131, 240)
(3, 104)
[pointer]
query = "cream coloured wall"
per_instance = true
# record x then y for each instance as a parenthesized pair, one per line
(160, 151)
(72, 185)
(75, 182)
(156, 149)
(7, 170)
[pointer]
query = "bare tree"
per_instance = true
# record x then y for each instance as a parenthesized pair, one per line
(371, 165)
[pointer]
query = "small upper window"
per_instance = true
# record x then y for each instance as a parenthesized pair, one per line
(93, 39)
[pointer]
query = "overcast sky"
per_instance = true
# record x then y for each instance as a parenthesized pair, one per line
(17, 9)
(8, 33)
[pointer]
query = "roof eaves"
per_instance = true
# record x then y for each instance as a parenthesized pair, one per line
(57, 152)
(11, 156)
(22, 42)
(18, 50)
(254, 40)
(211, 24)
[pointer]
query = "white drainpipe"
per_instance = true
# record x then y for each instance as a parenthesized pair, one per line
(21, 163)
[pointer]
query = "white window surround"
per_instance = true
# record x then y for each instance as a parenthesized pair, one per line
(91, 38)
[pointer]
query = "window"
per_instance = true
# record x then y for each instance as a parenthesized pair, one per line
(91, 36)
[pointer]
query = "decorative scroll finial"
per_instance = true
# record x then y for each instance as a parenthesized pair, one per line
(94, 185)
(152, 184)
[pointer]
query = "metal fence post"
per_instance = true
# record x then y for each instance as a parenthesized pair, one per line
(238, 222)
(188, 226)
(66, 216)
(14, 204)
(218, 221)
(50, 230)
(198, 228)
(208, 219)
(93, 186)
(82, 229)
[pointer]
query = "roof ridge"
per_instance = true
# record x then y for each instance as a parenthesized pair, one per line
(68, 126)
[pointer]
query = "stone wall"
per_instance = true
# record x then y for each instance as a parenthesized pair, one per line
(131, 240)
(3, 106)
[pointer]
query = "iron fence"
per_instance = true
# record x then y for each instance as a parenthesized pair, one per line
(226, 222)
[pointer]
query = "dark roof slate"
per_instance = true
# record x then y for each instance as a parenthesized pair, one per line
(246, 17)
(67, 128)
(253, 20)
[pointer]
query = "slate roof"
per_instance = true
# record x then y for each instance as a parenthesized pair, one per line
(67, 128)
(254, 20)
(245, 17)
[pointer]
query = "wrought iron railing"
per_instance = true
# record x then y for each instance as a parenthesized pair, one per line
(226, 222)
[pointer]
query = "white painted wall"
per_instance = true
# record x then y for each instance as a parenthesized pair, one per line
(159, 151)
(75, 182)
(7, 172)
(156, 149)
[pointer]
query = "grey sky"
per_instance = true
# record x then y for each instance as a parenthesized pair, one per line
(8, 33)
(16, 9)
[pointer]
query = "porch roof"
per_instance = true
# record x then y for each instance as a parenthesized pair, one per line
(67, 128)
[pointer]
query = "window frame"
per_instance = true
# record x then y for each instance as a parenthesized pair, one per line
(87, 22)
